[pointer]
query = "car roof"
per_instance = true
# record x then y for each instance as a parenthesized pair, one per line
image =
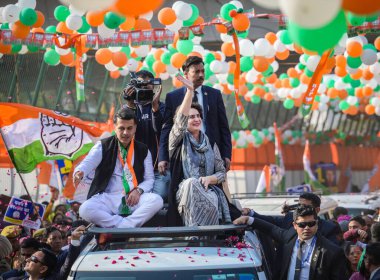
(353, 200)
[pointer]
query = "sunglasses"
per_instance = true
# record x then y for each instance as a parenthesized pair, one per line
(306, 224)
(35, 260)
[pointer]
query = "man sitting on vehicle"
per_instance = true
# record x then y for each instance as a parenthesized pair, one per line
(123, 181)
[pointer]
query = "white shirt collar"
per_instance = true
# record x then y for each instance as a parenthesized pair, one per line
(308, 242)
(199, 89)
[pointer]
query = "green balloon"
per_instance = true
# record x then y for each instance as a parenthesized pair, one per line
(258, 140)
(317, 98)
(149, 60)
(235, 135)
(250, 86)
(268, 72)
(194, 16)
(373, 17)
(225, 11)
(112, 20)
(350, 91)
(4, 26)
(355, 20)
(243, 34)
(165, 57)
(354, 62)
(208, 72)
(230, 79)
(308, 73)
(61, 13)
(369, 47)
(331, 83)
(255, 99)
(255, 132)
(185, 46)
(355, 83)
(265, 131)
(343, 105)
(32, 48)
(246, 63)
(16, 48)
(28, 16)
(85, 26)
(51, 29)
(126, 50)
(319, 39)
(347, 79)
(285, 37)
(301, 66)
(283, 76)
(209, 58)
(51, 57)
(294, 82)
(288, 104)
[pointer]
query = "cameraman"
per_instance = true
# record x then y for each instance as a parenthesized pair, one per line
(149, 123)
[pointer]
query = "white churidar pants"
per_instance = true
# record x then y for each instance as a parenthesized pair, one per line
(102, 210)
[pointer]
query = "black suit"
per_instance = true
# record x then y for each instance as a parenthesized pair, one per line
(328, 261)
(214, 113)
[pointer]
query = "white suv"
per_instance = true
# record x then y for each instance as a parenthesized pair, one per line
(196, 253)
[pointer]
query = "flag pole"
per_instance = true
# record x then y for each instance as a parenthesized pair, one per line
(19, 174)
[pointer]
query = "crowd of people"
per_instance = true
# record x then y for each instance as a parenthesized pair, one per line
(178, 153)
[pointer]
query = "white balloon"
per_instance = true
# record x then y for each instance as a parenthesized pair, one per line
(354, 39)
(275, 66)
(197, 40)
(114, 49)
(142, 51)
(111, 67)
(339, 85)
(324, 98)
(261, 47)
(312, 62)
(375, 68)
(246, 47)
(343, 40)
(11, 13)
(218, 87)
(290, 47)
(237, 4)
(175, 26)
(176, 4)
(241, 142)
(226, 38)
(279, 46)
(105, 32)
(199, 49)
(352, 100)
(377, 111)
(269, 4)
(26, 4)
(225, 67)
(338, 50)
(164, 76)
(216, 66)
(271, 52)
(24, 50)
(295, 93)
(1, 55)
(171, 69)
(311, 13)
(212, 79)
(251, 75)
(282, 93)
(363, 39)
(84, 57)
(124, 71)
(368, 57)
(75, 11)
(375, 101)
(287, 133)
(90, 5)
(322, 107)
(222, 78)
(132, 65)
(74, 22)
(1, 15)
(148, 16)
(61, 51)
(302, 59)
(183, 11)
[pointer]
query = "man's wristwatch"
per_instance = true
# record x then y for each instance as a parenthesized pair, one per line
(141, 191)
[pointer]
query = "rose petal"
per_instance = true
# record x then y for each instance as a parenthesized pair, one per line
(113, 262)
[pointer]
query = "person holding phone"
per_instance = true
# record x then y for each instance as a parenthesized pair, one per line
(198, 166)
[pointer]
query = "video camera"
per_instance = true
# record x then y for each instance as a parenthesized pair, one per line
(143, 90)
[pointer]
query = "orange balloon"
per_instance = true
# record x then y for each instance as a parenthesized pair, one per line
(340, 61)
(166, 16)
(342, 94)
(115, 74)
(292, 73)
(367, 74)
(305, 79)
(128, 24)
(286, 83)
(136, 8)
(362, 7)
(67, 59)
(277, 84)
(272, 78)
(20, 30)
(271, 37)
(176, 83)
(119, 59)
(268, 96)
(157, 54)
(37, 30)
(103, 56)
(298, 49)
(195, 54)
(308, 52)
(377, 43)
(178, 59)
(260, 63)
(228, 49)
(95, 18)
(40, 19)
(240, 22)
(142, 24)
(332, 93)
(259, 91)
(62, 28)
(340, 71)
(359, 92)
(370, 109)
(159, 67)
(199, 21)
(357, 75)
(282, 55)
(354, 49)
(221, 28)
(231, 68)
(5, 49)
(367, 91)
(243, 90)
(217, 55)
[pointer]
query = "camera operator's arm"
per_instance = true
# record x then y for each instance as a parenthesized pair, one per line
(158, 110)
(128, 92)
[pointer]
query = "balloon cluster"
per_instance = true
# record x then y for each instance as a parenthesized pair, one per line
(256, 138)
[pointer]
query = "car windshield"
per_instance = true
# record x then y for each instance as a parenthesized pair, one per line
(360, 211)
(207, 274)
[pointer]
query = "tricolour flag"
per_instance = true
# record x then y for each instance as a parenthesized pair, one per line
(373, 182)
(309, 175)
(264, 181)
(34, 135)
(279, 158)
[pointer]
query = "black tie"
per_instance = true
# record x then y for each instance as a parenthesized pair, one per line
(195, 97)
(297, 272)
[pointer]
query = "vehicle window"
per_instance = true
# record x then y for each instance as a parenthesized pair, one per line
(360, 211)
(209, 274)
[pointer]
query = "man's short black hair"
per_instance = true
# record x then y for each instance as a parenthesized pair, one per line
(339, 211)
(315, 199)
(373, 253)
(303, 211)
(191, 60)
(144, 74)
(30, 243)
(126, 114)
(50, 230)
(359, 219)
(50, 260)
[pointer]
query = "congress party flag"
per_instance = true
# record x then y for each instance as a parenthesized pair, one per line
(279, 158)
(33, 135)
(264, 181)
